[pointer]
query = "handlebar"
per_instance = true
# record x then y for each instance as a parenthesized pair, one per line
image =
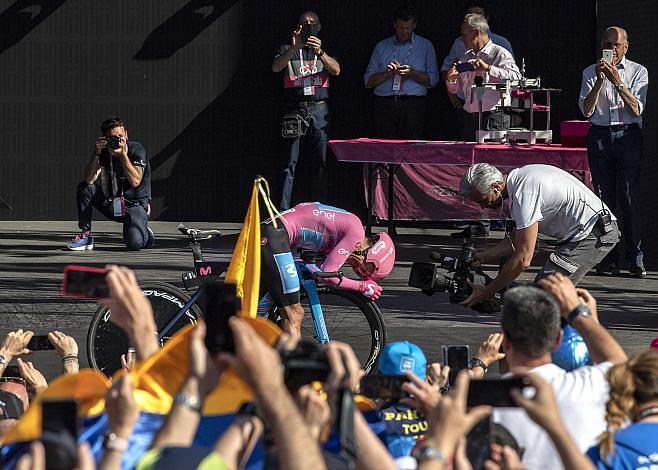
(338, 274)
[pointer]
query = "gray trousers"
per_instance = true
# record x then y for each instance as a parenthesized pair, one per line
(575, 259)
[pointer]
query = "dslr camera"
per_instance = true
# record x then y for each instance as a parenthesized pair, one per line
(113, 141)
(429, 278)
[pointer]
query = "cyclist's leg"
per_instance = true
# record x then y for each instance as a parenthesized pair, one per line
(278, 268)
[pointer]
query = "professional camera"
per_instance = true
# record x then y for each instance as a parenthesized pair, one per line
(427, 277)
(306, 363)
(113, 141)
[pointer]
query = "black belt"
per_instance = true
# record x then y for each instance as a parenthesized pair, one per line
(400, 97)
(304, 104)
(618, 127)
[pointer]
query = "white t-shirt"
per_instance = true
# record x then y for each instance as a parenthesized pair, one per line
(581, 396)
(564, 207)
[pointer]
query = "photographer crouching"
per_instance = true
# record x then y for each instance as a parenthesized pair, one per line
(118, 184)
(542, 199)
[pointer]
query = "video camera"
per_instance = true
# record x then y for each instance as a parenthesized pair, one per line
(427, 277)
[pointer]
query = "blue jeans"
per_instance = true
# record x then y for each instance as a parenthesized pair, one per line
(614, 161)
(134, 221)
(313, 145)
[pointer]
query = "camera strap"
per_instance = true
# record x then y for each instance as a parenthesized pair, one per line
(348, 447)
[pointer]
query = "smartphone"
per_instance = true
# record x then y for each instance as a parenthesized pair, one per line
(220, 304)
(494, 392)
(456, 357)
(478, 443)
(40, 343)
(387, 387)
(308, 30)
(60, 426)
(306, 363)
(607, 55)
(85, 282)
(465, 67)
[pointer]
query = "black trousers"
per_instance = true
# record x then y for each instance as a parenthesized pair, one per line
(134, 221)
(400, 119)
(614, 161)
(313, 145)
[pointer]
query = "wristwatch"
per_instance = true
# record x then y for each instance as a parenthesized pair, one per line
(3, 361)
(477, 362)
(115, 443)
(581, 309)
(429, 453)
(188, 401)
(620, 87)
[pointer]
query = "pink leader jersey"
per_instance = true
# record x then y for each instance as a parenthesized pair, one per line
(329, 230)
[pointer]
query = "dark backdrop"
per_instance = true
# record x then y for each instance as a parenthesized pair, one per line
(193, 81)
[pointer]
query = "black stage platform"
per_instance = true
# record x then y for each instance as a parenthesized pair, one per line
(32, 258)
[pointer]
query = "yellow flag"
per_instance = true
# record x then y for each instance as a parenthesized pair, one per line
(244, 270)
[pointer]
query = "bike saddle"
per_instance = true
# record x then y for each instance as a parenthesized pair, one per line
(198, 234)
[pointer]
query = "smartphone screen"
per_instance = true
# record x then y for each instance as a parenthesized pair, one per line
(40, 343)
(607, 55)
(60, 416)
(387, 387)
(478, 443)
(494, 392)
(221, 303)
(85, 282)
(456, 357)
(308, 30)
(465, 67)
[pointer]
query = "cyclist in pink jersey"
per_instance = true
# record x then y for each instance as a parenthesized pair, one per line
(333, 232)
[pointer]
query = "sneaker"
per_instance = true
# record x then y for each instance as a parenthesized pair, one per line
(637, 270)
(151, 238)
(82, 242)
(472, 231)
(610, 269)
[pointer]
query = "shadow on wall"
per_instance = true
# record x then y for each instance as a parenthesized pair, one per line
(22, 17)
(179, 30)
(206, 172)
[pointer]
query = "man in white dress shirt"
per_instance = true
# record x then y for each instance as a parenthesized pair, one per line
(612, 97)
(491, 62)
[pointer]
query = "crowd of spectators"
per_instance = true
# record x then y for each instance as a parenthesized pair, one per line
(602, 415)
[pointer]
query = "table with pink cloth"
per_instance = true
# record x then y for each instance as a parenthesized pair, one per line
(426, 174)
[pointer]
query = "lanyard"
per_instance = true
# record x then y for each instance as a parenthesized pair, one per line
(308, 68)
(395, 52)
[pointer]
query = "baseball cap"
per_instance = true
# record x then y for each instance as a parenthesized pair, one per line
(401, 357)
(572, 352)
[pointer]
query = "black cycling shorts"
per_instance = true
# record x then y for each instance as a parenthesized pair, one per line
(278, 268)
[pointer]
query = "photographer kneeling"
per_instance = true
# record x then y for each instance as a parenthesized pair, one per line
(542, 199)
(118, 184)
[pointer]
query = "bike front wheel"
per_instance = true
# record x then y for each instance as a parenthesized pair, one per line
(106, 342)
(350, 318)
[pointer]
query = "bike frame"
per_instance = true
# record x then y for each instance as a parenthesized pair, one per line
(307, 282)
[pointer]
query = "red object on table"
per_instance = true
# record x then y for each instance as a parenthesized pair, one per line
(573, 133)
(426, 174)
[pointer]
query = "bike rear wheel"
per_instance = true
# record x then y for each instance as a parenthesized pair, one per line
(106, 342)
(344, 314)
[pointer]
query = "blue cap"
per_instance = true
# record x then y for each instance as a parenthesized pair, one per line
(572, 353)
(401, 357)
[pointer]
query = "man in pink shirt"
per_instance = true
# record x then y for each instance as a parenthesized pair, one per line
(332, 232)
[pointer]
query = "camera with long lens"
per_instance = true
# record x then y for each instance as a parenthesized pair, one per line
(113, 141)
(428, 277)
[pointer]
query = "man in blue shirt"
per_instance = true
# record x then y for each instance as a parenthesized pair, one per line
(457, 51)
(401, 69)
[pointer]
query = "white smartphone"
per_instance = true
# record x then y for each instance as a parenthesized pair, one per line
(607, 55)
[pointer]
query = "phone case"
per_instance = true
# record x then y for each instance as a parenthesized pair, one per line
(73, 267)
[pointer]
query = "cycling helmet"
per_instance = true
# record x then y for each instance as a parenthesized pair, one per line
(382, 255)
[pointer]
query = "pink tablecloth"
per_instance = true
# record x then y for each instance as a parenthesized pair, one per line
(426, 184)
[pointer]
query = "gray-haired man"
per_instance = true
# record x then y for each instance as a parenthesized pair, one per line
(542, 199)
